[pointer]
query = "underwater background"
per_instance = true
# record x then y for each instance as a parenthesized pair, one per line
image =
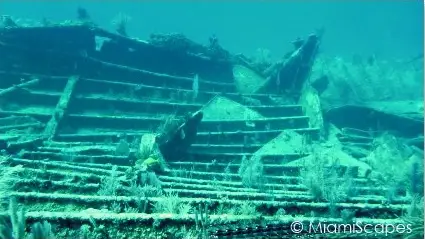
(202, 119)
(385, 28)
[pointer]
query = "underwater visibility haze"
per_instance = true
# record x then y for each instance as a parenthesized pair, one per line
(168, 120)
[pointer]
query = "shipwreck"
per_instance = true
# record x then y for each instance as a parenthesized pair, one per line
(107, 136)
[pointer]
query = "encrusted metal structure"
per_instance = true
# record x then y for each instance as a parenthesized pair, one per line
(70, 93)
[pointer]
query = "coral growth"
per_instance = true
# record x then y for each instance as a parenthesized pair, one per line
(18, 225)
(252, 173)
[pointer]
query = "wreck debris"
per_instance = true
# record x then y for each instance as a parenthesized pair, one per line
(247, 81)
(372, 118)
(15, 123)
(286, 143)
(7, 21)
(355, 142)
(28, 144)
(20, 133)
(283, 77)
(128, 87)
(19, 87)
(293, 72)
(176, 146)
(334, 156)
(310, 101)
(61, 108)
(222, 108)
(120, 22)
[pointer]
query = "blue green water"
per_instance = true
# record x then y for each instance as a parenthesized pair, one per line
(386, 28)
